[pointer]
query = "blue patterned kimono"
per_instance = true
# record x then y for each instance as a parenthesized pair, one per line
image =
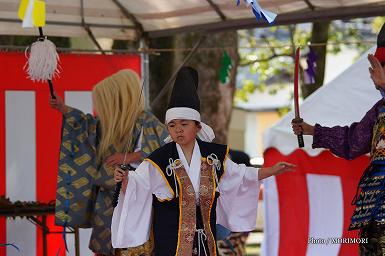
(85, 190)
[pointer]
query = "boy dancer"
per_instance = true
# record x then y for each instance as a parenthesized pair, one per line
(190, 184)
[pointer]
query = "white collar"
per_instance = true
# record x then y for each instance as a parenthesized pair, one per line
(194, 169)
(196, 156)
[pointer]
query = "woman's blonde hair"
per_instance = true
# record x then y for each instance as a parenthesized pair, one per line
(118, 103)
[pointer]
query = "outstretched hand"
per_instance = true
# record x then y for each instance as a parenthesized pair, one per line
(276, 169)
(377, 73)
(282, 167)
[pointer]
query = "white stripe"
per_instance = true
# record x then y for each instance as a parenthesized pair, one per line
(85, 235)
(20, 166)
(271, 226)
(28, 19)
(326, 213)
(81, 100)
(84, 239)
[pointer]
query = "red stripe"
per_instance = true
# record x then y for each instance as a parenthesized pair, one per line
(293, 199)
(79, 72)
(349, 189)
(3, 230)
(48, 125)
(293, 206)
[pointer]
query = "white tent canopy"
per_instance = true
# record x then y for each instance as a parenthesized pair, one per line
(343, 101)
(127, 19)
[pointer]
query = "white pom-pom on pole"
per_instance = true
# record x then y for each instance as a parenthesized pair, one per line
(42, 64)
(42, 61)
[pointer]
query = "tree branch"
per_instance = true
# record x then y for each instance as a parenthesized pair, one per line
(243, 64)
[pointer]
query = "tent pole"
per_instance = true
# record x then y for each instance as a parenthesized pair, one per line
(217, 9)
(310, 5)
(88, 29)
(145, 70)
(131, 17)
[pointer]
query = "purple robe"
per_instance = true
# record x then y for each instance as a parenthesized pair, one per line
(351, 141)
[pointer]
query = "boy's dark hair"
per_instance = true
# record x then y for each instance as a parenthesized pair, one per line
(383, 64)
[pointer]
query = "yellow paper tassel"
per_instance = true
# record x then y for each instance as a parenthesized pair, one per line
(22, 9)
(38, 13)
(32, 12)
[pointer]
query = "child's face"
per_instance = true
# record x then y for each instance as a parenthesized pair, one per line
(183, 131)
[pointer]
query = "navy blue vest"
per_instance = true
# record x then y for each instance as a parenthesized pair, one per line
(166, 213)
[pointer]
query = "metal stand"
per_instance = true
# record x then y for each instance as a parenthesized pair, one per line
(32, 215)
(45, 229)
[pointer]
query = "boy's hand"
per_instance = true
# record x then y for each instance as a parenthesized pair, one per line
(121, 176)
(278, 168)
(304, 128)
(282, 167)
(118, 175)
(377, 73)
(58, 104)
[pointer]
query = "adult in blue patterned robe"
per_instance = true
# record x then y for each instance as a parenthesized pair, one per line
(91, 147)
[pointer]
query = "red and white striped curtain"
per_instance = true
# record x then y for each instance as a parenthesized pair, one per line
(30, 138)
(311, 204)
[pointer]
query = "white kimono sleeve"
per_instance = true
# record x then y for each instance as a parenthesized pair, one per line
(238, 200)
(131, 220)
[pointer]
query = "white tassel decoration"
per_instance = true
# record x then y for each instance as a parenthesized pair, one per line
(42, 64)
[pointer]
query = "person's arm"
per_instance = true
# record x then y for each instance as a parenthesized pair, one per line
(131, 220)
(351, 141)
(58, 104)
(239, 190)
(344, 141)
(277, 169)
(119, 158)
(149, 177)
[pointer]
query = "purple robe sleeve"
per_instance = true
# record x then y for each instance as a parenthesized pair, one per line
(349, 141)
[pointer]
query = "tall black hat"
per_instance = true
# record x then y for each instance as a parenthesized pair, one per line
(380, 51)
(185, 104)
(184, 93)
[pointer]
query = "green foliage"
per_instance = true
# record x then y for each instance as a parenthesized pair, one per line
(283, 111)
(269, 53)
(344, 34)
(270, 58)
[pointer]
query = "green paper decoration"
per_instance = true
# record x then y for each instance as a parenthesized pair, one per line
(226, 65)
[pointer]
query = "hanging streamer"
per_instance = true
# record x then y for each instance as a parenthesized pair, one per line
(259, 12)
(226, 65)
(309, 74)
